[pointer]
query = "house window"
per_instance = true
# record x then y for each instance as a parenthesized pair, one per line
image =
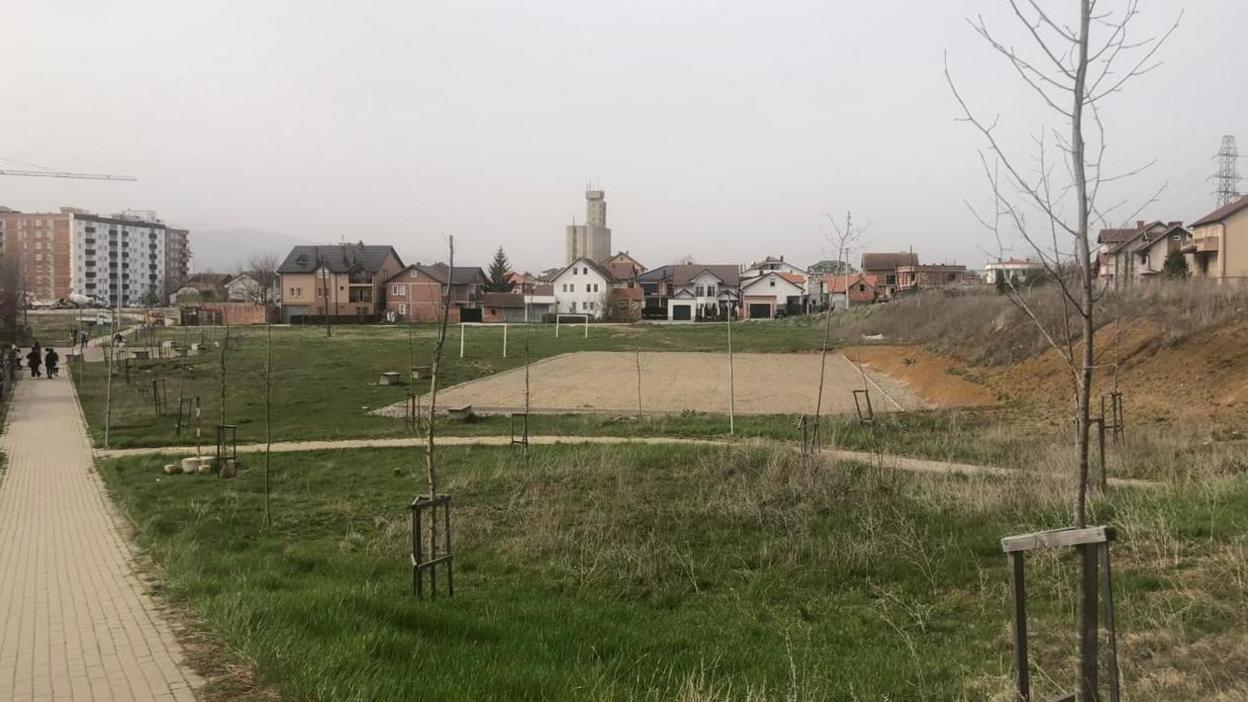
(595, 287)
(398, 290)
(772, 283)
(710, 291)
(585, 270)
(403, 309)
(589, 287)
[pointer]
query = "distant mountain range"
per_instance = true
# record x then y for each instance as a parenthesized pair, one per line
(226, 250)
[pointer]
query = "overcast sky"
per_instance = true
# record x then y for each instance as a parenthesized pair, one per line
(725, 130)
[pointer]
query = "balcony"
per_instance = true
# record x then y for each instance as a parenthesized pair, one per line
(1207, 244)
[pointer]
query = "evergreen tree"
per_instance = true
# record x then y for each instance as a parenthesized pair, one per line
(499, 281)
(1175, 266)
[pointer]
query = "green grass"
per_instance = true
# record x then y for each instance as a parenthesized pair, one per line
(661, 572)
(324, 387)
(55, 326)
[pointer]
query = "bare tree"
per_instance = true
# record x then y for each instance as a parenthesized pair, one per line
(263, 269)
(431, 466)
(843, 238)
(1073, 74)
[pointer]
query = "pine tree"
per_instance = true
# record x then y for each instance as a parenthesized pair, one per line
(499, 280)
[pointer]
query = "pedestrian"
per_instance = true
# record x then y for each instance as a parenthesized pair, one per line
(15, 361)
(52, 361)
(34, 359)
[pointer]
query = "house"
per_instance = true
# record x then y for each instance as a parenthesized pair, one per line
(521, 282)
(1219, 245)
(1016, 270)
(827, 266)
(1143, 255)
(862, 290)
(911, 278)
(201, 287)
(690, 292)
(773, 294)
(769, 264)
(1130, 254)
(414, 294)
(583, 287)
(1106, 241)
(517, 306)
(883, 267)
(247, 287)
(623, 266)
(337, 280)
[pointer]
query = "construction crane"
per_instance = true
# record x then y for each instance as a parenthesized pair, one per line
(45, 172)
(63, 174)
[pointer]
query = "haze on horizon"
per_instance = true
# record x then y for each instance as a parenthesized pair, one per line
(721, 131)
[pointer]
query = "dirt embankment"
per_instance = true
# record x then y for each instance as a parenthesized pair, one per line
(1201, 377)
(940, 380)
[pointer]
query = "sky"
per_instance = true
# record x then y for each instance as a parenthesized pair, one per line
(727, 131)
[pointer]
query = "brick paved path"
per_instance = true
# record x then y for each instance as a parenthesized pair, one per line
(75, 623)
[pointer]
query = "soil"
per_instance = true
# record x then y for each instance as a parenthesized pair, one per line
(940, 380)
(674, 382)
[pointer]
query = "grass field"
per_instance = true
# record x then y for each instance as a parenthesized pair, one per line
(55, 326)
(325, 387)
(688, 573)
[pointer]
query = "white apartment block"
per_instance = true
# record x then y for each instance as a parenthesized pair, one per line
(118, 256)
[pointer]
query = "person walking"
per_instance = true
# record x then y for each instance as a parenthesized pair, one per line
(52, 361)
(34, 359)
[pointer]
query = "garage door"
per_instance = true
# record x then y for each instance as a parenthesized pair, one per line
(683, 313)
(760, 311)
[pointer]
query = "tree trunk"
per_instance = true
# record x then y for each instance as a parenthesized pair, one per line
(1088, 581)
(430, 462)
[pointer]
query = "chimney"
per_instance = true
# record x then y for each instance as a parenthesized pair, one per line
(1176, 223)
(1139, 224)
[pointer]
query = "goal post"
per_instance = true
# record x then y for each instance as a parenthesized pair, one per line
(463, 333)
(559, 317)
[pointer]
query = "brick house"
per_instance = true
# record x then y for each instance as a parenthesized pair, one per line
(344, 281)
(414, 294)
(882, 267)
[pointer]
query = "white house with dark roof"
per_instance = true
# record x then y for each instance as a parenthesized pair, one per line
(583, 287)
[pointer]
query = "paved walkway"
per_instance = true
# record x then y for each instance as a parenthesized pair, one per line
(75, 623)
(915, 465)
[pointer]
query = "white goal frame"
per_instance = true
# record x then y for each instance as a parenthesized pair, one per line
(463, 333)
(561, 315)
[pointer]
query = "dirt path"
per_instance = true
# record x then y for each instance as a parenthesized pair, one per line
(906, 463)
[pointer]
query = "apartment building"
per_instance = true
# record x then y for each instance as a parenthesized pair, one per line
(41, 243)
(177, 259)
(122, 258)
(118, 260)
